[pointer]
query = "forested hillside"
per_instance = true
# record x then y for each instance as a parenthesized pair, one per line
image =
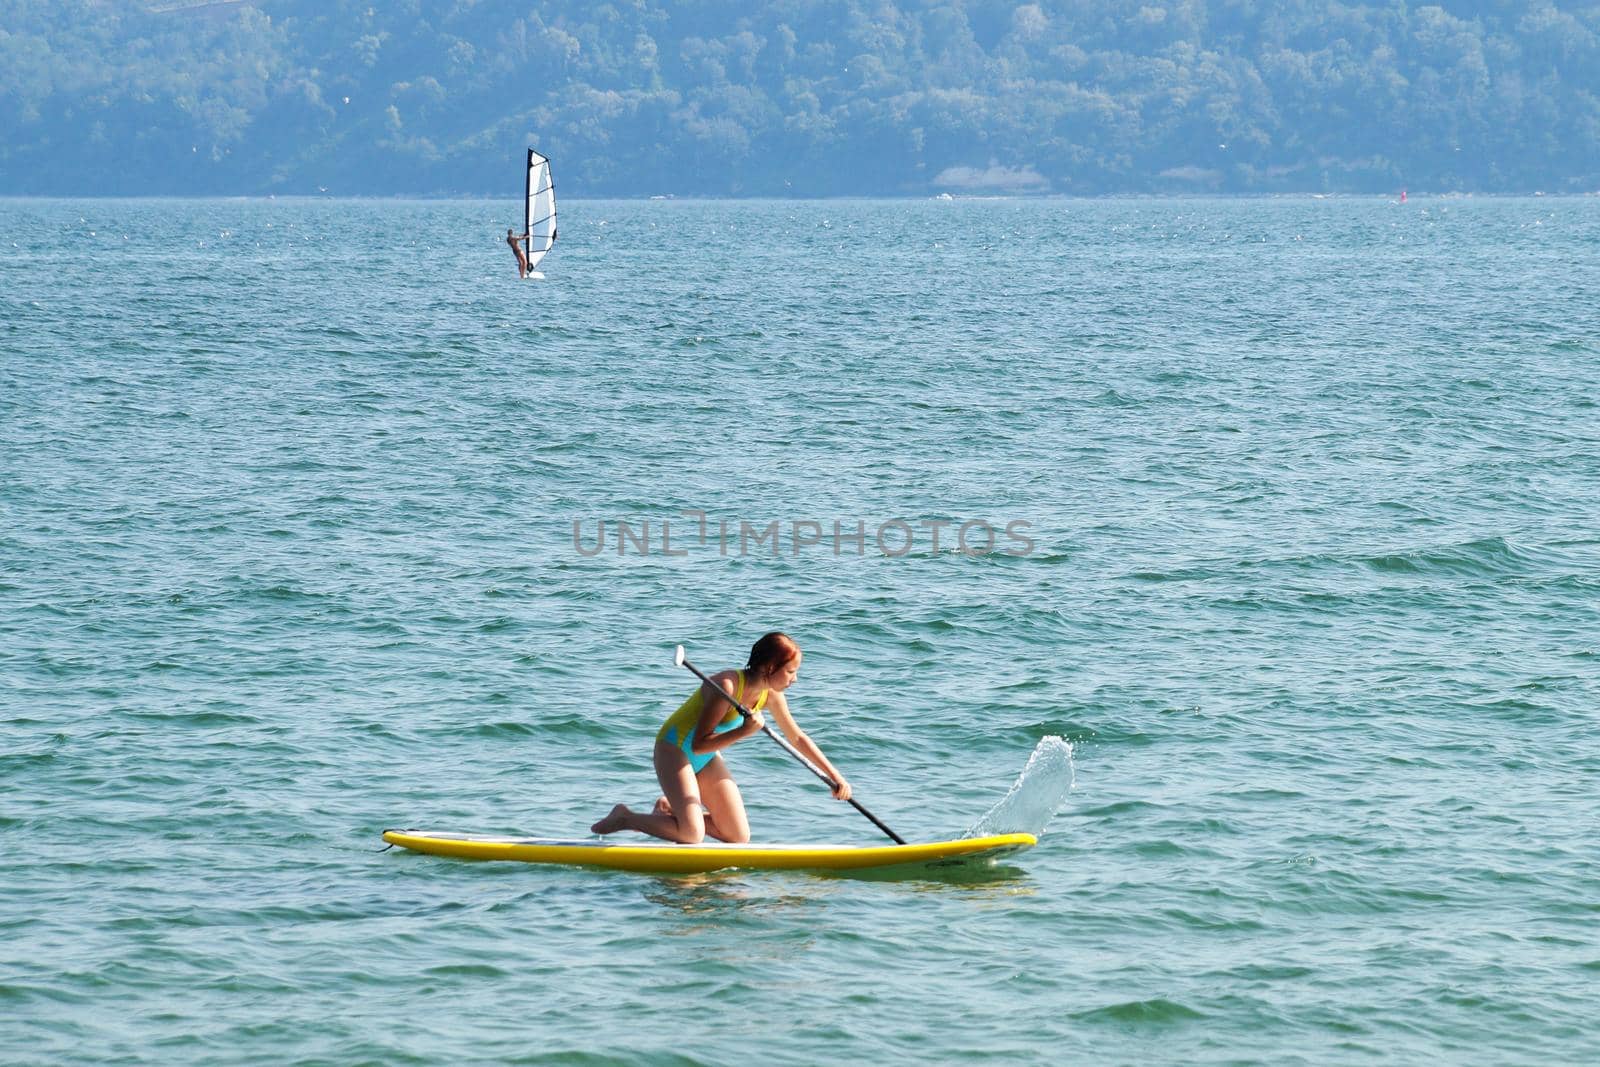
(799, 97)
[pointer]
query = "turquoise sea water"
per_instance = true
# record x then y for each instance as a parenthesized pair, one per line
(1310, 492)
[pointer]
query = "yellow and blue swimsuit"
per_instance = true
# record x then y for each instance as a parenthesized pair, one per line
(678, 730)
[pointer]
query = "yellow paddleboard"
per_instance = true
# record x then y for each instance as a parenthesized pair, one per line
(664, 857)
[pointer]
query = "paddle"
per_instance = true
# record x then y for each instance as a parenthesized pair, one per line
(679, 660)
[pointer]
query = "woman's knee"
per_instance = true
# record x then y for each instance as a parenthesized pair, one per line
(691, 824)
(731, 824)
(735, 826)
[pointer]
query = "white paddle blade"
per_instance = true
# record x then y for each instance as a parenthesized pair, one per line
(677, 657)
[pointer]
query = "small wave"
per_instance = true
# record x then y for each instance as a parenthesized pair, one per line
(1263, 794)
(1122, 807)
(23, 760)
(1159, 1011)
(1268, 972)
(1178, 377)
(465, 970)
(1173, 576)
(194, 718)
(569, 726)
(1490, 555)
(278, 592)
(503, 730)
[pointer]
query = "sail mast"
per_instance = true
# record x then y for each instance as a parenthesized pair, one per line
(527, 206)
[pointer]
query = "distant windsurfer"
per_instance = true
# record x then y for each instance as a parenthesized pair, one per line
(514, 239)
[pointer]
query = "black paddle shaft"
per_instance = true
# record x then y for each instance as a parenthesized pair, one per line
(787, 747)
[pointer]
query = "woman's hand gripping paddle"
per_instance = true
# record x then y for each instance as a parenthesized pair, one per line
(679, 660)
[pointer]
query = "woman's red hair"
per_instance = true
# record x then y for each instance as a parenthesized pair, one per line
(771, 653)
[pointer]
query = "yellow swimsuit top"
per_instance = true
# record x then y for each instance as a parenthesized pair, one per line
(679, 728)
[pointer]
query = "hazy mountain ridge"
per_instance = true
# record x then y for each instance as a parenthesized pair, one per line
(799, 98)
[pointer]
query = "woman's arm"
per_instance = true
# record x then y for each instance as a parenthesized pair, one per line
(714, 708)
(808, 748)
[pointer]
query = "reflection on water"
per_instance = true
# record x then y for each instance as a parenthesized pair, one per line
(724, 918)
(946, 874)
(737, 919)
(722, 895)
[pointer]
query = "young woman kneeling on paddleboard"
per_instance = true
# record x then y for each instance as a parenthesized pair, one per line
(689, 746)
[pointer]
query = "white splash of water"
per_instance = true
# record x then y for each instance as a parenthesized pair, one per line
(1037, 794)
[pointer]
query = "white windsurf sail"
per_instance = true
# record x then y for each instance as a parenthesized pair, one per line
(540, 222)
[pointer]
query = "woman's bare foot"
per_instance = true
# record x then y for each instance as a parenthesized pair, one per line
(616, 820)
